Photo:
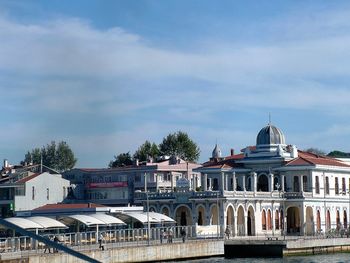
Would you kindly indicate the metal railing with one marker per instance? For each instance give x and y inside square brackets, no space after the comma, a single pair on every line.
[88,241]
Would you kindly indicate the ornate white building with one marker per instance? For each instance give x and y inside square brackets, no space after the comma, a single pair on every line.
[271,188]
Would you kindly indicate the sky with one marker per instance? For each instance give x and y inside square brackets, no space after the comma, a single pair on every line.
[105,76]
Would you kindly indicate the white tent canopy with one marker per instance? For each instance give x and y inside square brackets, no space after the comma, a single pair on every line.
[85,219]
[154,218]
[24,223]
[47,222]
[107,219]
[160,217]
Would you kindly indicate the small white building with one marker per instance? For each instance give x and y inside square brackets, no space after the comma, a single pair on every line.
[26,190]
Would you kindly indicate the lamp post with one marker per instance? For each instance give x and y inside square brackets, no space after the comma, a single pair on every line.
[283,227]
[147,207]
[218,217]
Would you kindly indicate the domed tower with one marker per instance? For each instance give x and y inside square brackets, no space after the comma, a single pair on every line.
[216,154]
[270,139]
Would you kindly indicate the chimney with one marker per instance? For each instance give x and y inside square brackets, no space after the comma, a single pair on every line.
[232,151]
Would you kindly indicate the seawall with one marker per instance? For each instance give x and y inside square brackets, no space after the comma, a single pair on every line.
[161,252]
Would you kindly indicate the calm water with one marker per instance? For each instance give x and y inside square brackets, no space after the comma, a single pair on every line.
[329,258]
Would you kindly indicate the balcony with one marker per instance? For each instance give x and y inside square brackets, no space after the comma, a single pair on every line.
[296,195]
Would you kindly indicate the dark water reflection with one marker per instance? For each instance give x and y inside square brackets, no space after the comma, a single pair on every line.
[329,258]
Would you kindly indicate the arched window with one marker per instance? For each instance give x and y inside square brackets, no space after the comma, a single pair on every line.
[318,220]
[263,219]
[269,220]
[263,183]
[345,220]
[277,220]
[328,220]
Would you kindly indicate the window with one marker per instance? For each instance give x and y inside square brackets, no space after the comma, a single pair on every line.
[263,220]
[33,192]
[317,185]
[327,185]
[336,186]
[343,186]
[47,193]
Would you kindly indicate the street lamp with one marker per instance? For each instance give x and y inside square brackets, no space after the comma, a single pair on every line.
[147,207]
[283,225]
[218,217]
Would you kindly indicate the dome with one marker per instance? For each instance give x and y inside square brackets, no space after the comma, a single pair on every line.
[216,152]
[270,135]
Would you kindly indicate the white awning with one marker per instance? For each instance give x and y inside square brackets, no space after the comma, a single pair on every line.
[160,217]
[137,216]
[47,222]
[109,220]
[85,219]
[24,223]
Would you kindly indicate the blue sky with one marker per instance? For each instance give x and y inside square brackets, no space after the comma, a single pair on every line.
[107,75]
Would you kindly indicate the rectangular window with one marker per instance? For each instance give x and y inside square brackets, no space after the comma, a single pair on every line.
[343,186]
[33,192]
[327,185]
[336,186]
[317,185]
[47,193]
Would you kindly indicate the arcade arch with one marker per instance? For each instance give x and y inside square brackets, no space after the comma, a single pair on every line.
[183,216]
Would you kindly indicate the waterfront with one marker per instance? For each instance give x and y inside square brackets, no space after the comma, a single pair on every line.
[329,258]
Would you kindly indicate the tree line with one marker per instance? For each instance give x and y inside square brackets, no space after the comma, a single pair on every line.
[178,144]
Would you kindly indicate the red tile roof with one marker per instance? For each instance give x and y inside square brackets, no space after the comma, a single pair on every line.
[306,158]
[68,206]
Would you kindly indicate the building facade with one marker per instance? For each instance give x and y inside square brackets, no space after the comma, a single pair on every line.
[271,188]
[27,188]
[117,186]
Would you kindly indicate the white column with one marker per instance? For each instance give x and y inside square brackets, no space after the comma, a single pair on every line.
[255,183]
[226,182]
[205,182]
[271,182]
[234,185]
[222,181]
[300,183]
[235,227]
[243,182]
[245,225]
[282,182]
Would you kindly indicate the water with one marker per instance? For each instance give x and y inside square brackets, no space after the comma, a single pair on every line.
[329,258]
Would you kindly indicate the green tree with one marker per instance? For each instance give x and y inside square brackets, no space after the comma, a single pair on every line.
[147,149]
[58,157]
[338,154]
[180,144]
[123,159]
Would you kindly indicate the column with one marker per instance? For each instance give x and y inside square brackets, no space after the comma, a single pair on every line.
[255,183]
[222,182]
[271,182]
[210,184]
[235,227]
[205,182]
[157,185]
[301,183]
[226,182]
[273,219]
[282,182]
[245,224]
[172,182]
[243,182]
[234,185]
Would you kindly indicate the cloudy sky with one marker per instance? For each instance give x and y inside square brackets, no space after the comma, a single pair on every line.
[105,76]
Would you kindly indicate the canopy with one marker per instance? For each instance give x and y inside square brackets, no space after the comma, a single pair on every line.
[24,223]
[47,222]
[160,217]
[107,219]
[141,217]
[85,219]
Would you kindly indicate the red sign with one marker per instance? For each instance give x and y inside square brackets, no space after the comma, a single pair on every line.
[107,185]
